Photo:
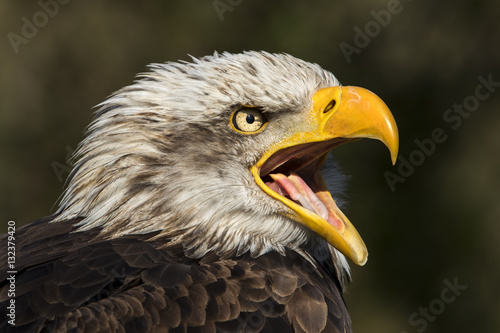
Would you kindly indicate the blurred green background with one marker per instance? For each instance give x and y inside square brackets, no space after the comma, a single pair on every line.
[441,223]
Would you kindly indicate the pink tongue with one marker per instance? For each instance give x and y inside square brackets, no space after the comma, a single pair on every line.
[298,191]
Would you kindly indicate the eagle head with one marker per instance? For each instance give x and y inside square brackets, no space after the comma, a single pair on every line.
[224,154]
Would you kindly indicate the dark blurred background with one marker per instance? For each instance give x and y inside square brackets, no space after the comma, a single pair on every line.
[437,224]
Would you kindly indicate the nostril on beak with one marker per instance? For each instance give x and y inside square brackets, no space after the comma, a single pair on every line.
[330,106]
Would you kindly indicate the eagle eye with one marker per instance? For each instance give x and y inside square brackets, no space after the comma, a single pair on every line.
[248,120]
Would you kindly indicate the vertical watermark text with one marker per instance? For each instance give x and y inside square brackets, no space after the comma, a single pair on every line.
[11,272]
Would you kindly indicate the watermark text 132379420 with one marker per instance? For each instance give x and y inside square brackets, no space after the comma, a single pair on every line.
[11,272]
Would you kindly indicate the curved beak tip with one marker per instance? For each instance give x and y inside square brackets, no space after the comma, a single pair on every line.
[393,145]
[371,118]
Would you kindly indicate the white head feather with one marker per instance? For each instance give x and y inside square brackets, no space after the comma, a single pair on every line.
[160,155]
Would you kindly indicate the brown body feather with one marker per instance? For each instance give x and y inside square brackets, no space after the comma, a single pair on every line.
[82,283]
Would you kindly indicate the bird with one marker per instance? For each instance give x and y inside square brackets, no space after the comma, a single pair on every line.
[203,198]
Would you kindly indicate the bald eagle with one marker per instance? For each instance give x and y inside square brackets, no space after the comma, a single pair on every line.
[197,204]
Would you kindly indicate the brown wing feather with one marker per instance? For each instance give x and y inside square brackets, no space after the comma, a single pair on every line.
[76,281]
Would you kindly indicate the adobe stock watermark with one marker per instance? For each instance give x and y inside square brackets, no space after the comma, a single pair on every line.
[453,117]
[420,319]
[372,29]
[223,6]
[30,27]
[11,273]
[61,169]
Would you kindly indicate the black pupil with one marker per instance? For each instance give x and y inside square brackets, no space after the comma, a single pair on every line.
[250,118]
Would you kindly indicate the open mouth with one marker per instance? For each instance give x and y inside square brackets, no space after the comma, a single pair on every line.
[294,174]
[289,171]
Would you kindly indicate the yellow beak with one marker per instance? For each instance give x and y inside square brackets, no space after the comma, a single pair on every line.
[338,115]
[360,114]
